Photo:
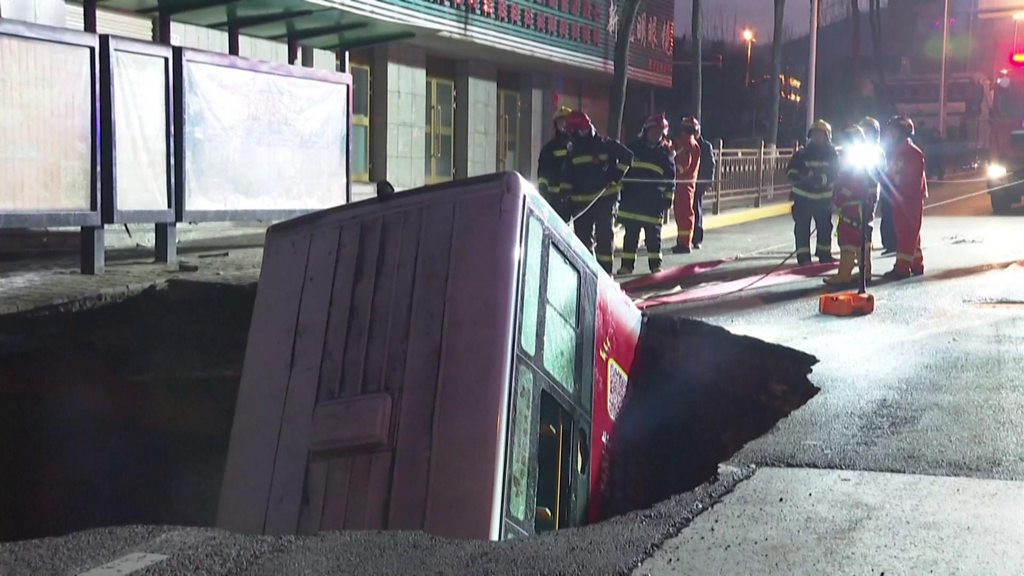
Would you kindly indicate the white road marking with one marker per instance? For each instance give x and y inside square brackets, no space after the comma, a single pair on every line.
[126,564]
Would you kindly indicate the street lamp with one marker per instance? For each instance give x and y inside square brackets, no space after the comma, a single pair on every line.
[748,36]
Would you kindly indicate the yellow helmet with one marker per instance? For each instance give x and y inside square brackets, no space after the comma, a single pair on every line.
[822,126]
[562,113]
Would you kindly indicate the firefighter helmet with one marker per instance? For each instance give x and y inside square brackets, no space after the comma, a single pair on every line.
[853,134]
[562,113]
[579,123]
[869,123]
[656,121]
[820,126]
[902,125]
[690,124]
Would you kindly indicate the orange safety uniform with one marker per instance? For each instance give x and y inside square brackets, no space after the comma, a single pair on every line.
[687,164]
[906,174]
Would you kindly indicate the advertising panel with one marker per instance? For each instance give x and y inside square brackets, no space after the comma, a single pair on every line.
[140,129]
[46,124]
[255,140]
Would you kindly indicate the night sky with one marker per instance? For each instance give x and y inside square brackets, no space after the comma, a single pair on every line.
[754,13]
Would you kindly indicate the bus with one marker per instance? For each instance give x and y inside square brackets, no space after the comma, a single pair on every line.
[449,359]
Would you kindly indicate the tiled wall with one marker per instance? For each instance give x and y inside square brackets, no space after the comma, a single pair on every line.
[481,122]
[406,88]
[47,12]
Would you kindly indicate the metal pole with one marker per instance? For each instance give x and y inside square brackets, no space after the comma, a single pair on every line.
[719,171]
[760,175]
[942,74]
[812,62]
[746,78]
[1016,21]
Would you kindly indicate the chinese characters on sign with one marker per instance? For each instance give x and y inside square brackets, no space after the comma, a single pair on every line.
[652,32]
[569,20]
[585,27]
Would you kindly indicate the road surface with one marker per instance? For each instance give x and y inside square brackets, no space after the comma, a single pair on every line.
[911,458]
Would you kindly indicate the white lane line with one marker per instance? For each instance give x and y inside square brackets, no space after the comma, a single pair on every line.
[126,564]
[957,199]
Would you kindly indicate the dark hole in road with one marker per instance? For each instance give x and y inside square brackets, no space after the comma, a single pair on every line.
[697,393]
[120,414]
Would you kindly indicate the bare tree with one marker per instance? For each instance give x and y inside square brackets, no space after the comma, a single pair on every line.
[875,21]
[696,80]
[777,39]
[855,38]
[626,19]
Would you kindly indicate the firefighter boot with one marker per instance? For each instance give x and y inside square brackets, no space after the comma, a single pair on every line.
[845,274]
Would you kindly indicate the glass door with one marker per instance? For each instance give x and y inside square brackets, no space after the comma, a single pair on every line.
[439,163]
[508,130]
[548,467]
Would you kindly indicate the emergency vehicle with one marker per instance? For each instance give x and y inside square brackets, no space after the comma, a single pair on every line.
[1005,169]
[448,359]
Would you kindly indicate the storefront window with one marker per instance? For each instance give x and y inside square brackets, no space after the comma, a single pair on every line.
[440,130]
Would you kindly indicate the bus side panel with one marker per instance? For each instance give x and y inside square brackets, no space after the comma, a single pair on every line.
[418,396]
[263,390]
[617,330]
[468,451]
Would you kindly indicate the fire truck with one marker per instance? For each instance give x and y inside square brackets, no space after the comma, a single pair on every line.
[449,359]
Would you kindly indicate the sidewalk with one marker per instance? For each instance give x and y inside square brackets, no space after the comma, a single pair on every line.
[49,283]
[231,255]
[721,220]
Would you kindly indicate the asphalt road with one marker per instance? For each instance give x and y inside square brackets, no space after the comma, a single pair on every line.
[931,382]
[927,387]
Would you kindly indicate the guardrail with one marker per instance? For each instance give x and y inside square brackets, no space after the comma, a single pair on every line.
[748,177]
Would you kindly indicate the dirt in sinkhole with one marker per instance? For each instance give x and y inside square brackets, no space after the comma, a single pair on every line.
[120,414]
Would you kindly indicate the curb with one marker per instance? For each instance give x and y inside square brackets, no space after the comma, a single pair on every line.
[730,218]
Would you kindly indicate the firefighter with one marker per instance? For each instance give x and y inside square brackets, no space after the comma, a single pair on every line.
[592,177]
[812,170]
[854,199]
[705,174]
[687,165]
[906,173]
[647,195]
[873,134]
[549,164]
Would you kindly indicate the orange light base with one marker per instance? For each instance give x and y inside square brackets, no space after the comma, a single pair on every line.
[846,304]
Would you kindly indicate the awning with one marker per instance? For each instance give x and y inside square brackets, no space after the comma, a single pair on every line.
[307,23]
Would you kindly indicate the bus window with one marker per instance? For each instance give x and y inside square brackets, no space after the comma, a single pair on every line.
[531,286]
[522,436]
[561,320]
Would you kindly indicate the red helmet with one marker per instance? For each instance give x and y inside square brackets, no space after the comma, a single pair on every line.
[902,125]
[578,123]
[690,124]
[656,121]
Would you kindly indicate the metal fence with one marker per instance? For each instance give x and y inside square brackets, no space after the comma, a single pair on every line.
[748,177]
